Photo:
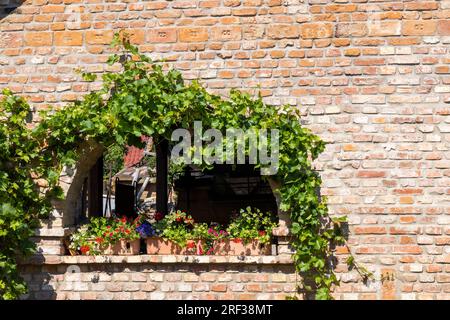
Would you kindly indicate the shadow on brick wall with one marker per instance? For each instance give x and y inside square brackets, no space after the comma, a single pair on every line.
[38,278]
[9,7]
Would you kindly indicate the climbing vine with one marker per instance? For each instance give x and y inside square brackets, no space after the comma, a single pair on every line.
[147,99]
[24,165]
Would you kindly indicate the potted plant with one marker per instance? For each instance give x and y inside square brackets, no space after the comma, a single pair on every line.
[84,242]
[148,232]
[213,237]
[106,236]
[249,233]
[174,235]
[122,237]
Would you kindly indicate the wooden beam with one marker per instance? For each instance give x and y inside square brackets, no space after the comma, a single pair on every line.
[95,189]
[162,154]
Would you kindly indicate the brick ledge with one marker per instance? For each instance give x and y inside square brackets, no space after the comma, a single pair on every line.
[139,259]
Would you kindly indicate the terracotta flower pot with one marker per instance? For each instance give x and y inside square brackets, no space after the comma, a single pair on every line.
[123,248]
[110,249]
[156,245]
[237,247]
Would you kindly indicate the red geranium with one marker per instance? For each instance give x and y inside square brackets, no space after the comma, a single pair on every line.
[158,216]
[190,244]
[99,240]
[237,240]
[262,233]
[85,249]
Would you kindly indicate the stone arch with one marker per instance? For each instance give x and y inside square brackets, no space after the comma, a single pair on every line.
[284,220]
[72,179]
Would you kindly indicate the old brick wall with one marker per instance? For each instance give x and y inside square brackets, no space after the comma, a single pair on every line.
[159,277]
[372,77]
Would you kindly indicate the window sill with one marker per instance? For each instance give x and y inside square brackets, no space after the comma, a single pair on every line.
[167,259]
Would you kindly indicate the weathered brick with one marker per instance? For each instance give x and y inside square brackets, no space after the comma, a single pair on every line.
[444,27]
[194,34]
[421,5]
[114,287]
[316,30]
[340,8]
[254,287]
[38,39]
[148,287]
[284,31]
[245,12]
[371,174]
[226,33]
[53,9]
[370,230]
[219,287]
[68,38]
[11,40]
[351,30]
[99,36]
[385,28]
[353,52]
[419,28]
[162,35]
[136,36]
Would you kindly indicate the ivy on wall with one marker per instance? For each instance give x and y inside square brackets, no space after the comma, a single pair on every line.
[24,164]
[144,99]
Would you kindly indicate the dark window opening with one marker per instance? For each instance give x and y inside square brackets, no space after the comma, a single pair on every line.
[91,204]
[213,195]
[210,195]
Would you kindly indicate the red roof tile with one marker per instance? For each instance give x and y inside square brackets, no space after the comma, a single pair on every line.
[134,155]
